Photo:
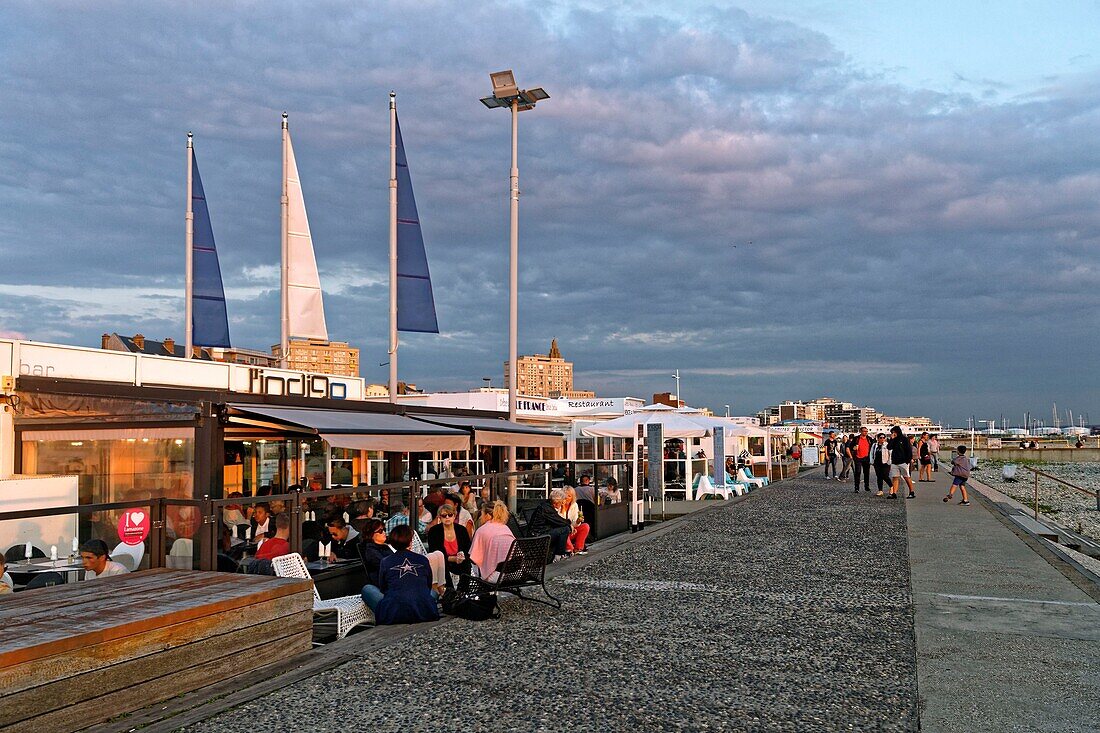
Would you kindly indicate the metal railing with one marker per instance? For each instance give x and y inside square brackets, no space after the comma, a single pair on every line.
[210,527]
[1067,484]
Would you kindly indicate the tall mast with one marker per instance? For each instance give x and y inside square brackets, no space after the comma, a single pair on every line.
[284,289]
[393,247]
[189,250]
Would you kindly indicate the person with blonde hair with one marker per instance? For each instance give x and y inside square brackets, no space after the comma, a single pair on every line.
[579,528]
[492,540]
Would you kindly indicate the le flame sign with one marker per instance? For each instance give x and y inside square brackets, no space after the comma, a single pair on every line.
[133,526]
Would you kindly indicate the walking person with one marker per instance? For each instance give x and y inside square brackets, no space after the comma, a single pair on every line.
[924,456]
[880,459]
[960,469]
[830,445]
[846,456]
[859,451]
[901,455]
[934,449]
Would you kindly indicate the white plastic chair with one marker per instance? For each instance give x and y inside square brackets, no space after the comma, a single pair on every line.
[745,478]
[736,487]
[129,556]
[704,487]
[350,610]
[180,556]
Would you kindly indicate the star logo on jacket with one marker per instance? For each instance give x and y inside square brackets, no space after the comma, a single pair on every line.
[407,567]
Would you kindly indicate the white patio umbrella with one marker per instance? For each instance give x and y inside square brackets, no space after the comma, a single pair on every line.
[673,425]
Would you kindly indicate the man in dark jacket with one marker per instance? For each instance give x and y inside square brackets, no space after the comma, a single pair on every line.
[345,540]
[547,520]
[901,455]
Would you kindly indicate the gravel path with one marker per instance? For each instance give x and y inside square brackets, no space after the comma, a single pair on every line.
[789,611]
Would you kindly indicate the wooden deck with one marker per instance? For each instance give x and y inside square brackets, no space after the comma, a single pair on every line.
[77,654]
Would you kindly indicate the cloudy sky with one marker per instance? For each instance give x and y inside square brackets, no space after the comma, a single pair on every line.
[894,204]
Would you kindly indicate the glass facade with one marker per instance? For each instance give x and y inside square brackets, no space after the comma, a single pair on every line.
[116,469]
[110,469]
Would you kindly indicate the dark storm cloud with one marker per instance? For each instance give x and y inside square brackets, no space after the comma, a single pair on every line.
[948,235]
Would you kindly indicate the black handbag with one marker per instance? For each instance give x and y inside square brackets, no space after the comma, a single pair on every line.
[471,605]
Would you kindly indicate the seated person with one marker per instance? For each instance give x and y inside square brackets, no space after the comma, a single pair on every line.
[361,511]
[484,515]
[433,498]
[463,517]
[580,529]
[345,540]
[7,585]
[279,544]
[404,594]
[262,526]
[373,550]
[547,519]
[492,540]
[401,516]
[232,514]
[611,493]
[469,498]
[452,540]
[585,490]
[97,563]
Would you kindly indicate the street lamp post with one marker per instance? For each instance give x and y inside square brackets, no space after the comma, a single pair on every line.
[727,410]
[507,94]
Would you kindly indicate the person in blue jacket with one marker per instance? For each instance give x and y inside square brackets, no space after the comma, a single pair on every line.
[404,594]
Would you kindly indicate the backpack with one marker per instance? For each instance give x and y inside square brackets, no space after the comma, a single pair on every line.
[961,468]
[471,605]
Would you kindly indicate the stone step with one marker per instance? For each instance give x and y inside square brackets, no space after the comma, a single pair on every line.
[1036,528]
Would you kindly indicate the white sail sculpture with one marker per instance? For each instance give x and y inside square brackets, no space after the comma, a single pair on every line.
[303,310]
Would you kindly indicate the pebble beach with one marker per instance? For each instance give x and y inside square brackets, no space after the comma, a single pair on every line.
[1068,508]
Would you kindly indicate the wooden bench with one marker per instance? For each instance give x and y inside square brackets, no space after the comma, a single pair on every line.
[78,654]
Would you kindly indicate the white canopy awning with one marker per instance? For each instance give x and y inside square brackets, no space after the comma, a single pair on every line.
[497,431]
[674,425]
[361,430]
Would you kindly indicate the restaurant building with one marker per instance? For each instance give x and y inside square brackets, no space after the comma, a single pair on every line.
[134,426]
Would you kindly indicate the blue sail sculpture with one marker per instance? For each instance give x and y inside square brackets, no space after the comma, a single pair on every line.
[415,301]
[209,319]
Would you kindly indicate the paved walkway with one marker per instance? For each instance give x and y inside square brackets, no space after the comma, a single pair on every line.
[1005,642]
[802,607]
[787,611]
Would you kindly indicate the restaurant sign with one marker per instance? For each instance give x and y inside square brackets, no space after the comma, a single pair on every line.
[29,359]
[295,384]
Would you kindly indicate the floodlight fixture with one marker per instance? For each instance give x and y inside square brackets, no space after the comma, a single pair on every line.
[507,94]
[504,84]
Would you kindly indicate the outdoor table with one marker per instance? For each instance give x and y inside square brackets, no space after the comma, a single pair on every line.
[69,569]
[340,578]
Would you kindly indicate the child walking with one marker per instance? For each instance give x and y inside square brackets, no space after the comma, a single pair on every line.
[960,469]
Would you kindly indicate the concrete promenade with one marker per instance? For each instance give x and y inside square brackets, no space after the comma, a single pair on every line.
[1005,642]
[801,607]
